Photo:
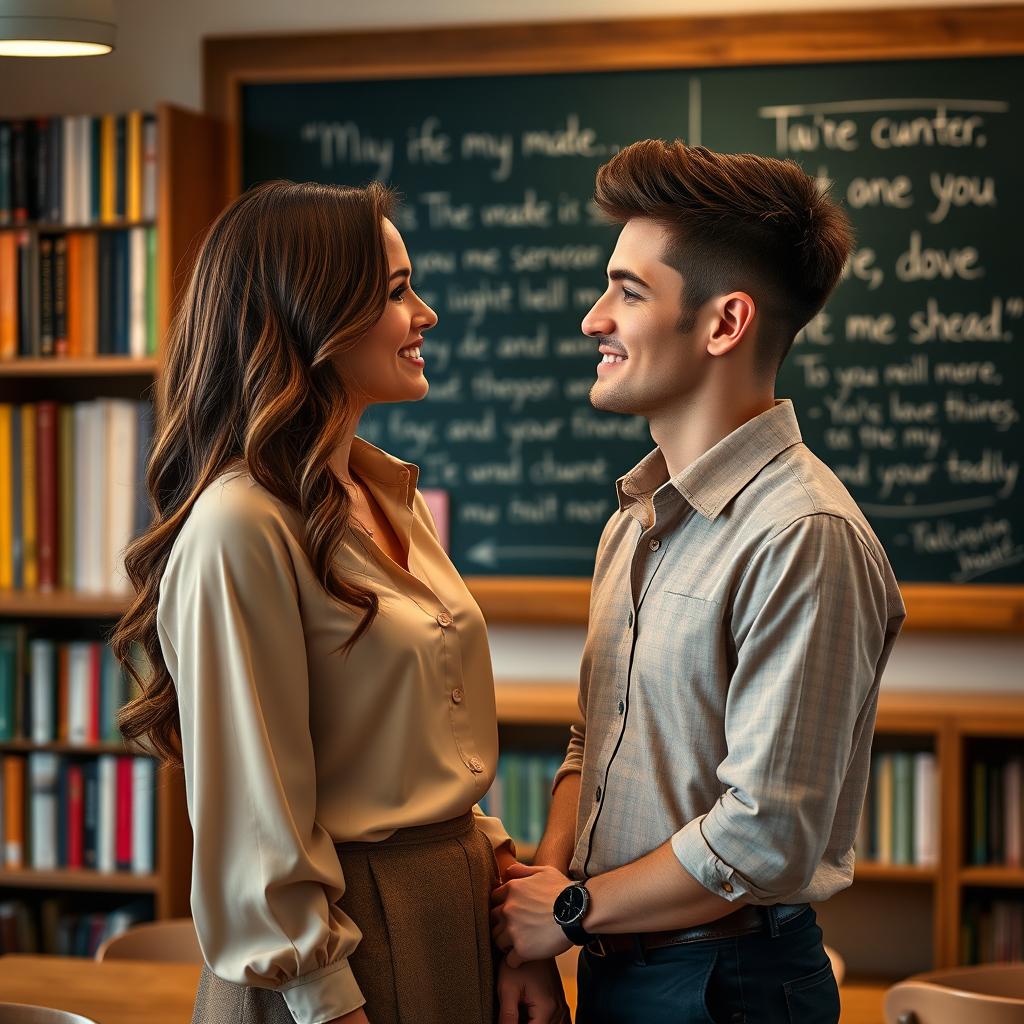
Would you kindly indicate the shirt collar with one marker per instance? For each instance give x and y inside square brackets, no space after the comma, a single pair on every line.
[713,480]
[370,463]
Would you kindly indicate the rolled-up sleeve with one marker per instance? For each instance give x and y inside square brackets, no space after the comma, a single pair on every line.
[266,877]
[809,628]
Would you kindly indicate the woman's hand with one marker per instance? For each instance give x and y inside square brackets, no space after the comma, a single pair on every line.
[537,988]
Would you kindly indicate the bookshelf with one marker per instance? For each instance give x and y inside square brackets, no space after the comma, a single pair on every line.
[188,195]
[924,907]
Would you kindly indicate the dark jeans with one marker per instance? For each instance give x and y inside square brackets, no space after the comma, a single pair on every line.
[760,978]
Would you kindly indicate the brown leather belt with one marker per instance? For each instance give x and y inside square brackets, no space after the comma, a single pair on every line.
[745,921]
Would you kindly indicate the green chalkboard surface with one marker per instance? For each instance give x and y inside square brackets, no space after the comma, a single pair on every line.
[909,384]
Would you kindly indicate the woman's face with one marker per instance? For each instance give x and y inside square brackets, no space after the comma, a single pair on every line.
[386,365]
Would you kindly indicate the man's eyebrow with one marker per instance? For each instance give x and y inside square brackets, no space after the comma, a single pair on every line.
[621,274]
[403,272]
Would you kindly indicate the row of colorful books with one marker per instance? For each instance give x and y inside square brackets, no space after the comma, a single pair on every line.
[521,792]
[71,492]
[900,824]
[78,294]
[49,927]
[78,170]
[997,811]
[73,812]
[59,691]
[992,931]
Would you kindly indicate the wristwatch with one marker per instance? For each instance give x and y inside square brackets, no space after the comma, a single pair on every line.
[571,906]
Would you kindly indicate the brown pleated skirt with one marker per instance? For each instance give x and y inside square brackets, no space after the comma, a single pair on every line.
[422,901]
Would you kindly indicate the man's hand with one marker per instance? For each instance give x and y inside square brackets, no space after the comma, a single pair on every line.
[521,921]
[537,988]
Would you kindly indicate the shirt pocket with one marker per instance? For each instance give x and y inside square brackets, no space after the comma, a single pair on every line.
[681,641]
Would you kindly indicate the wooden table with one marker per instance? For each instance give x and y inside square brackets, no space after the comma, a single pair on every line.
[129,991]
[114,992]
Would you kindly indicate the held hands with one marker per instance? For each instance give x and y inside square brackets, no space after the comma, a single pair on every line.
[535,987]
[521,917]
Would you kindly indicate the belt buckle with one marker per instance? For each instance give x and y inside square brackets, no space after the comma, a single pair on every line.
[596,946]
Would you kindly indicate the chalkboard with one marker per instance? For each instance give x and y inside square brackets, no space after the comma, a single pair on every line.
[908,385]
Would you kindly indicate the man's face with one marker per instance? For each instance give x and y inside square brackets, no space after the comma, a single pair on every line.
[648,365]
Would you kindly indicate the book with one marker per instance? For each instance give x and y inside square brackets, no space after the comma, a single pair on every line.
[28,293]
[108,170]
[926,810]
[120,166]
[96,170]
[149,166]
[120,488]
[45,295]
[979,813]
[142,816]
[43,671]
[106,767]
[137,300]
[68,499]
[20,142]
[29,520]
[883,808]
[6,499]
[47,499]
[133,173]
[8,295]
[60,307]
[8,687]
[79,692]
[90,814]
[6,206]
[75,816]
[124,808]
[42,775]
[70,181]
[14,810]
[903,808]
[88,295]
[17,504]
[1013,809]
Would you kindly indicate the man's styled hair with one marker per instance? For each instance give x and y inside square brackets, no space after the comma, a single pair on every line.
[738,223]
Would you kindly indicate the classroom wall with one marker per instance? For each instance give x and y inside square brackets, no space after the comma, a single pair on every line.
[159,57]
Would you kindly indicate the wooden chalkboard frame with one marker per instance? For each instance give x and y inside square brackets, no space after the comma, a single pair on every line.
[229,63]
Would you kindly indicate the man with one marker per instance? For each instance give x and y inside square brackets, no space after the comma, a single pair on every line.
[741,616]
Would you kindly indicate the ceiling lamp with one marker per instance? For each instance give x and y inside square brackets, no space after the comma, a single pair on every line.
[56,28]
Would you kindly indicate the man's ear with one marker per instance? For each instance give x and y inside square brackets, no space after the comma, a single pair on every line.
[733,316]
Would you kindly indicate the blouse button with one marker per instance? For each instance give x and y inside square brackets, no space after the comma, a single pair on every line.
[444,619]
[457,695]
[475,765]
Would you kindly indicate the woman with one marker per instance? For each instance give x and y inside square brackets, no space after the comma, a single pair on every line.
[317,663]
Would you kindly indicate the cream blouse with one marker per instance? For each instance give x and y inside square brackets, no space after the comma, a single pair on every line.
[290,747]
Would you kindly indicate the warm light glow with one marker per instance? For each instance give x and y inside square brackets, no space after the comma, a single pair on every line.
[50,48]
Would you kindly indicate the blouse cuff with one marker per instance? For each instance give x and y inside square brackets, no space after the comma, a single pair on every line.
[324,994]
[494,830]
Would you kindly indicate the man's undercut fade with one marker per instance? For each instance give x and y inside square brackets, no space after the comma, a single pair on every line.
[738,222]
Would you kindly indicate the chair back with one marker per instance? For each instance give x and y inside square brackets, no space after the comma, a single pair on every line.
[21,1013]
[171,941]
[988,994]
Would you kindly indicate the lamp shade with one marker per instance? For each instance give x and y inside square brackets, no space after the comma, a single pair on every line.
[56,28]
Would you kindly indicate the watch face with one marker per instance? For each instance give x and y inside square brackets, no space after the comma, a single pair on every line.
[570,905]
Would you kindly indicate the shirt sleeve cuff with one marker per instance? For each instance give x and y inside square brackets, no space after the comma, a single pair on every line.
[323,995]
[495,831]
[572,765]
[696,856]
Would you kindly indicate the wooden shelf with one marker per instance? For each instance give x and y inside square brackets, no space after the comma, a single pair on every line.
[98,366]
[997,876]
[536,703]
[63,747]
[871,871]
[80,879]
[55,227]
[61,604]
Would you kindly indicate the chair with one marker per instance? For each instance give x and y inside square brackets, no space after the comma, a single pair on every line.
[20,1013]
[172,941]
[990,994]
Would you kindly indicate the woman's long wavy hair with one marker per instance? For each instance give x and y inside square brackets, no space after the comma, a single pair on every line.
[288,276]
